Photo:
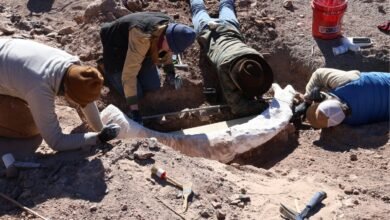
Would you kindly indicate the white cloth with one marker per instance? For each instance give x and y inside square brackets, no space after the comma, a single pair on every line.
[33,72]
[224,144]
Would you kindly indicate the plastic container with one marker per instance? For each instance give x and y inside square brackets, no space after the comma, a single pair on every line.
[327,18]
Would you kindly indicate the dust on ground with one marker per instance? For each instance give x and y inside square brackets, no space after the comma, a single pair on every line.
[112,181]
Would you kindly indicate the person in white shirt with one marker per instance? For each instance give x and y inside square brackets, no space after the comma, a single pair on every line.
[31,75]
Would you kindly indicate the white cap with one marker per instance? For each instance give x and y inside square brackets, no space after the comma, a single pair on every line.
[332,110]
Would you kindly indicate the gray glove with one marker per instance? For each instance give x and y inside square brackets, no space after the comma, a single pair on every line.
[108,132]
[316,95]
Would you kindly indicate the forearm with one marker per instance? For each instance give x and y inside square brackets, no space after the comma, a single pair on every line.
[92,115]
[66,142]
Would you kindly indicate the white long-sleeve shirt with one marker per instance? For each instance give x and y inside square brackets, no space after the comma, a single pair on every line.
[33,72]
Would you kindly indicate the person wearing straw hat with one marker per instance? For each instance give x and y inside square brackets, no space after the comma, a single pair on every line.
[31,75]
[352,97]
[243,73]
[132,47]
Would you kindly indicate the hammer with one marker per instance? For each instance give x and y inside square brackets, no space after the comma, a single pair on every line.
[12,165]
[180,64]
[187,187]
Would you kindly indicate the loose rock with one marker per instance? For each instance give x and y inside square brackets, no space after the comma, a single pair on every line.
[93,208]
[288,4]
[353,157]
[348,190]
[221,215]
[143,155]
[216,205]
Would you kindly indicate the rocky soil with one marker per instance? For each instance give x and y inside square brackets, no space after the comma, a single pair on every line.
[114,181]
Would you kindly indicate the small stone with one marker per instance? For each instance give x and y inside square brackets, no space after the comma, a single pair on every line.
[51,35]
[210,168]
[301,16]
[216,205]
[221,215]
[348,190]
[241,204]
[341,186]
[288,4]
[355,192]
[299,24]
[143,155]
[235,202]
[206,213]
[176,16]
[353,157]
[124,208]
[378,156]
[66,30]
[93,208]
[243,191]
[153,144]
[244,198]
[179,195]
[259,22]
[7,30]
[235,165]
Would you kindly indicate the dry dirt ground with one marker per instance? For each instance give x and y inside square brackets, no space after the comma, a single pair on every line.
[111,182]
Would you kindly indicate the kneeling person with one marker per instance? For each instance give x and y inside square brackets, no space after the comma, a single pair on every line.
[31,75]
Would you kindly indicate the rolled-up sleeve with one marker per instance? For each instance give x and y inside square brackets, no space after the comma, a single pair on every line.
[139,44]
[328,78]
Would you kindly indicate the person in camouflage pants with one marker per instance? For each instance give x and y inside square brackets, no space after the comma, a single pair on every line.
[243,73]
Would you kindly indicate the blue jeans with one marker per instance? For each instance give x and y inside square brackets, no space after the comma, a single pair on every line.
[200,17]
[148,78]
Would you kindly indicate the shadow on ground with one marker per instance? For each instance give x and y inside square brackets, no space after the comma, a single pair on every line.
[344,137]
[363,60]
[39,6]
[69,174]
[273,151]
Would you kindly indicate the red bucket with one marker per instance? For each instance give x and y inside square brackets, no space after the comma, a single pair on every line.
[327,17]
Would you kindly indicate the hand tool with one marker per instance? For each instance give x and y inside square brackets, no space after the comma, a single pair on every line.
[292,215]
[162,174]
[12,165]
[180,64]
[187,190]
[187,187]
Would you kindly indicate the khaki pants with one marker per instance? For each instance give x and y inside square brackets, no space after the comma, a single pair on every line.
[16,120]
[18,133]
